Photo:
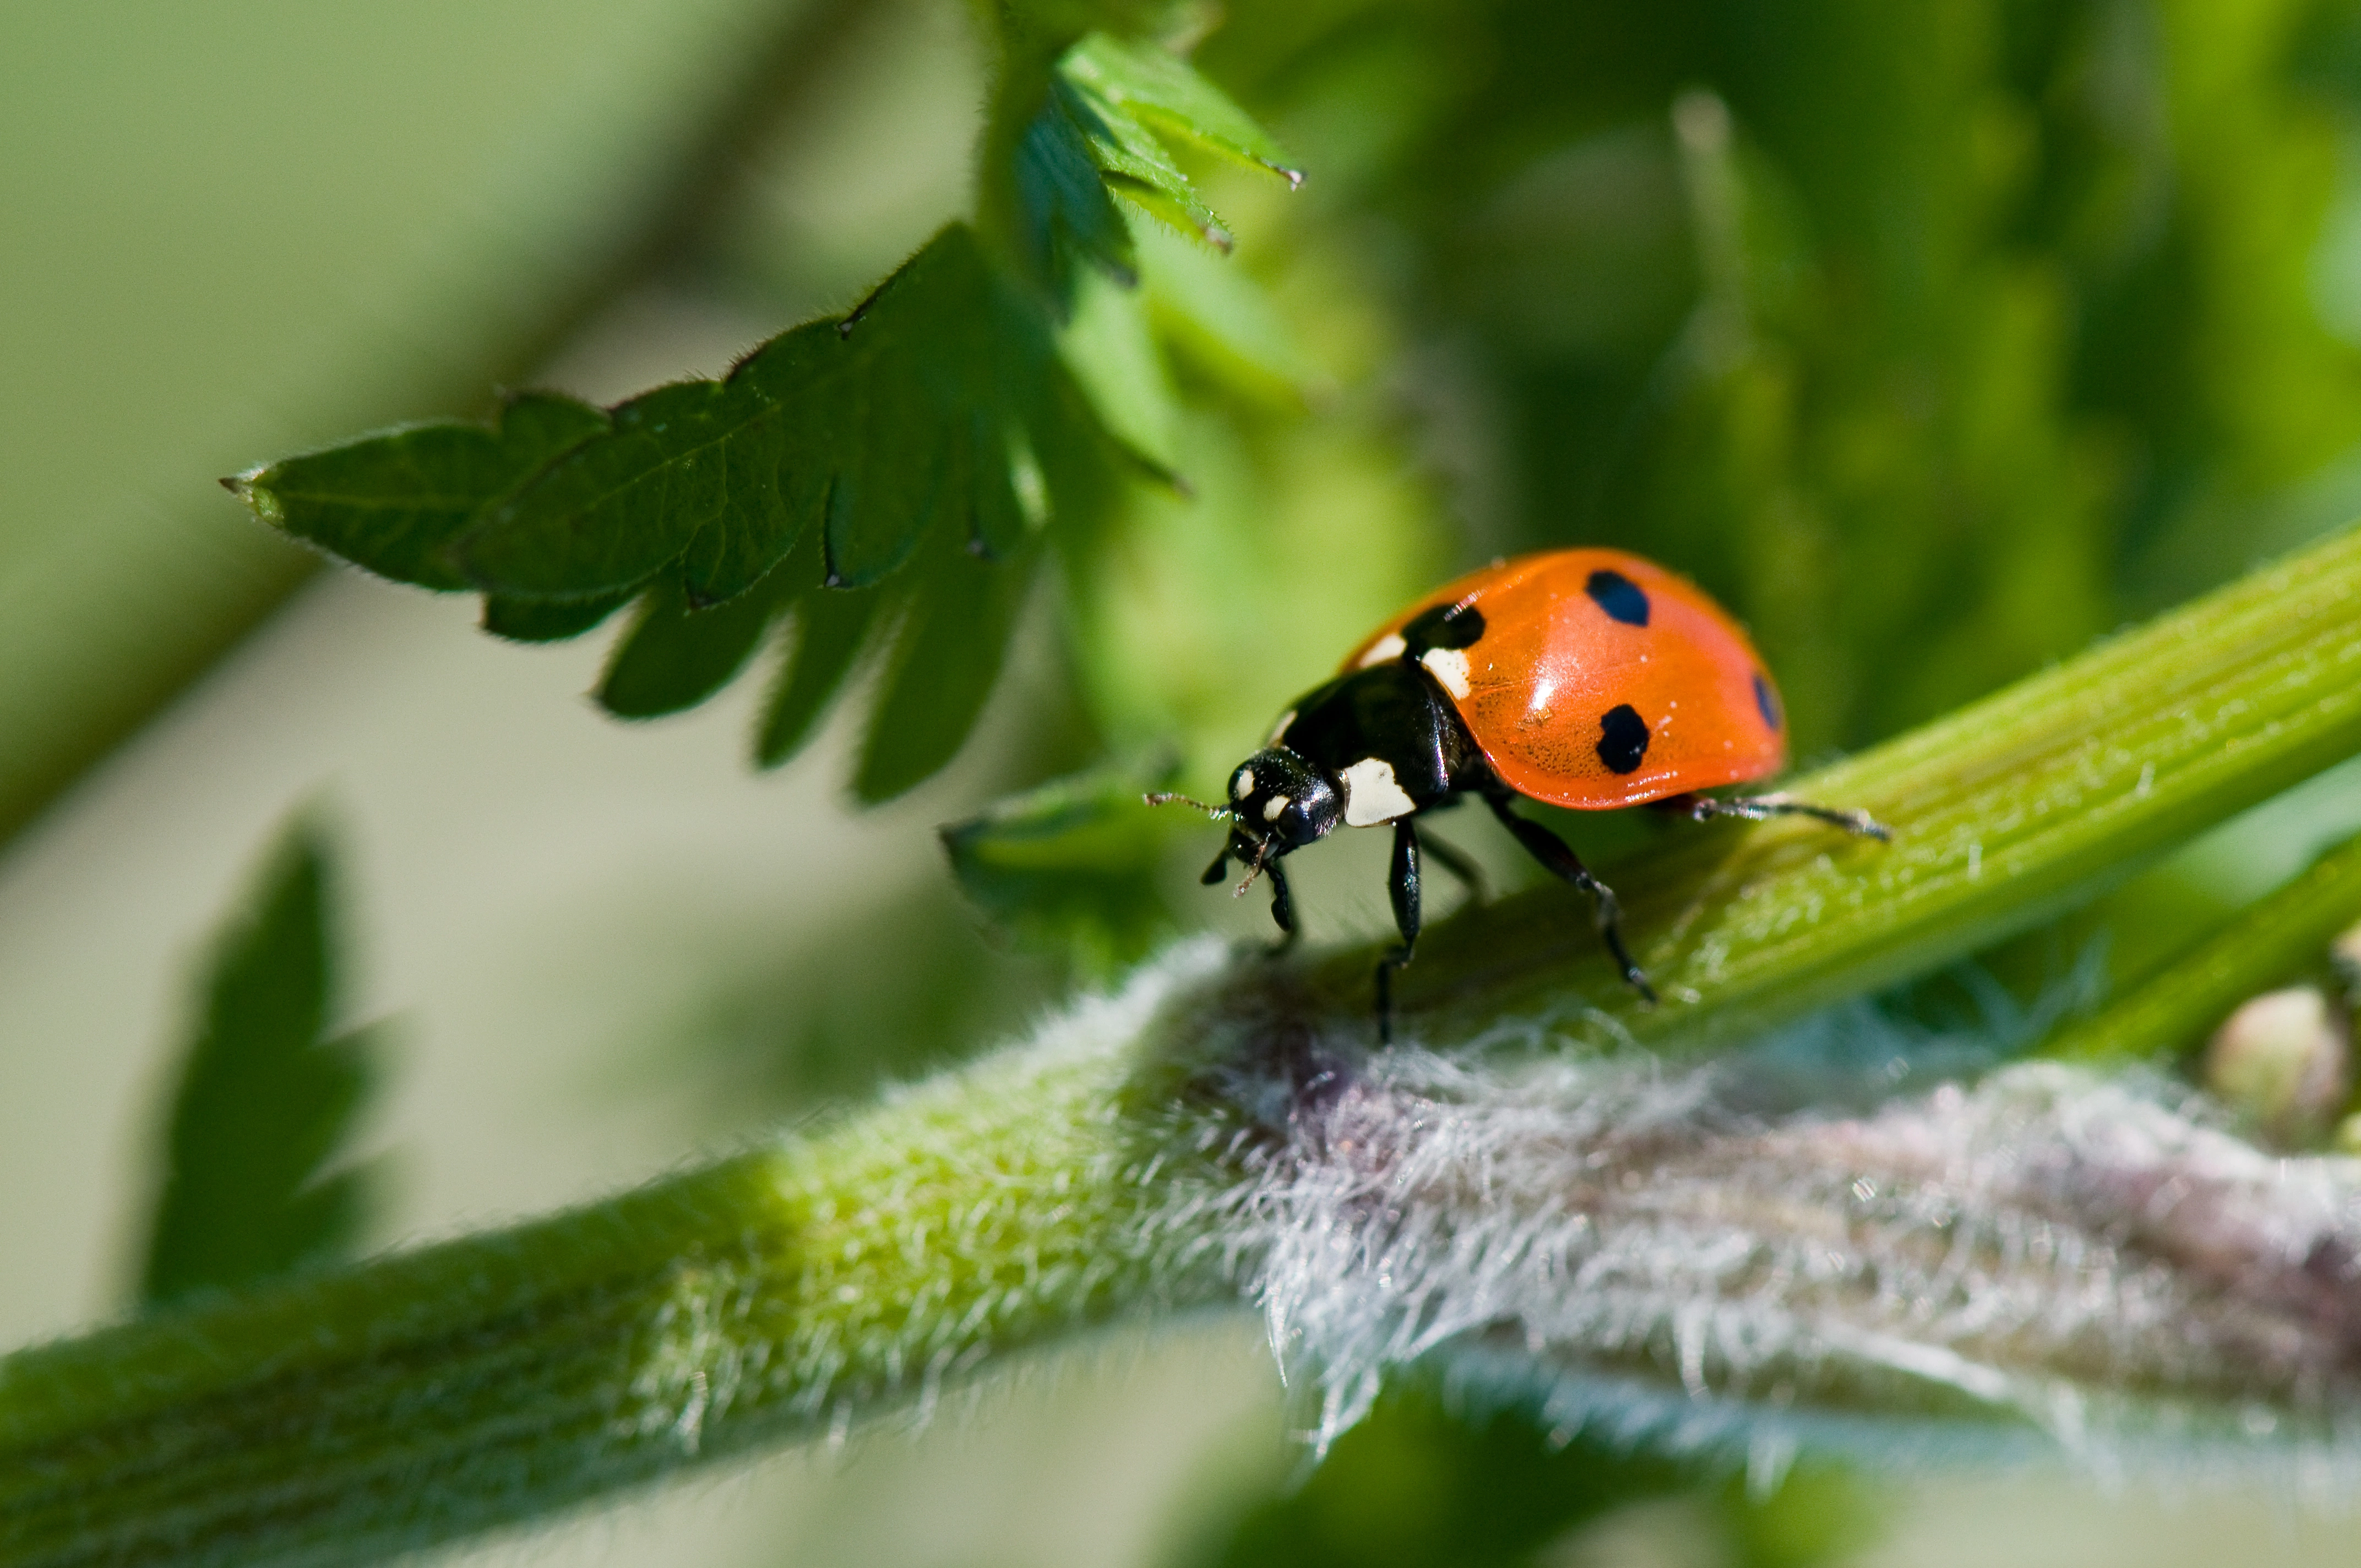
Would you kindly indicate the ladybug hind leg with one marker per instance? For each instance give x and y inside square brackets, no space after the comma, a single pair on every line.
[1762,807]
[1561,862]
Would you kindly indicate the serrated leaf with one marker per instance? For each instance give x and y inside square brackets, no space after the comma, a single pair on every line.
[1135,164]
[1071,866]
[1067,214]
[616,510]
[267,1099]
[677,655]
[946,655]
[823,645]
[391,502]
[1163,90]
[549,621]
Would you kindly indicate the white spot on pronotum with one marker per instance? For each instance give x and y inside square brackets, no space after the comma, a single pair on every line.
[1279,730]
[1390,646]
[1242,785]
[2147,780]
[1975,861]
[1448,665]
[1372,794]
[1273,807]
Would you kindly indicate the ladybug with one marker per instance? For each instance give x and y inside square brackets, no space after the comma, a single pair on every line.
[1584,678]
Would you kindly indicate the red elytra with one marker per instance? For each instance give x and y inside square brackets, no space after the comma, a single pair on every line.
[1554,655]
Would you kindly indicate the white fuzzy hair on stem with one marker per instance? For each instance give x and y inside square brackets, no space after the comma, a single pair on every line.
[1664,1253]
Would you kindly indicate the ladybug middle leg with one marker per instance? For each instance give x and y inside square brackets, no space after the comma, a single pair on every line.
[1458,863]
[1402,883]
[1551,851]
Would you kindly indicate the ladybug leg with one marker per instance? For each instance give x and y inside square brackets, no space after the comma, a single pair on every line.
[1552,853]
[1283,908]
[1217,870]
[1762,807]
[1462,866]
[1402,882]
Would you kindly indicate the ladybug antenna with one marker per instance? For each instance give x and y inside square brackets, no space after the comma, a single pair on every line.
[1218,813]
[1262,857]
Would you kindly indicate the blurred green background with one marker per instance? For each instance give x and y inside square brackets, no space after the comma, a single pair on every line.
[1938,340]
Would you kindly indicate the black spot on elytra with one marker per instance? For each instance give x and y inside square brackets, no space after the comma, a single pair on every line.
[1444,626]
[1619,596]
[1622,738]
[1766,701]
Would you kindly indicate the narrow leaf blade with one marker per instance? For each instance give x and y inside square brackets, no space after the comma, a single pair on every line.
[266,1102]
[1166,91]
[946,661]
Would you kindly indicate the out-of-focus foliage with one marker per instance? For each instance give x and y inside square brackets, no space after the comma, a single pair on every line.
[256,1179]
[1427,1479]
[1935,340]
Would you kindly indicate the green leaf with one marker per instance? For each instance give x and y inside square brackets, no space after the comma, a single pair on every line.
[549,621]
[1134,164]
[1156,87]
[946,655]
[677,655]
[391,502]
[831,628]
[1071,866]
[267,1099]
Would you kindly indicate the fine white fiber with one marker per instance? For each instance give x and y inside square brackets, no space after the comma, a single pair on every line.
[1673,1253]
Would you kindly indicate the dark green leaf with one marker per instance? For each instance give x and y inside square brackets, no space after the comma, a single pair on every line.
[1154,86]
[548,621]
[615,511]
[391,502]
[677,656]
[946,657]
[832,627]
[1071,866]
[267,1099]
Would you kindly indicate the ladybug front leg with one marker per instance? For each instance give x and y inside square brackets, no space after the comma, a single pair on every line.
[1401,881]
[1283,908]
[1551,851]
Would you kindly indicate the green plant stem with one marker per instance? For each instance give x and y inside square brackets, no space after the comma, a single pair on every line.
[95,643]
[2002,813]
[498,1377]
[2276,936]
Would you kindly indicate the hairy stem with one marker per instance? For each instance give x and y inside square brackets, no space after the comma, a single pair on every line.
[499,1378]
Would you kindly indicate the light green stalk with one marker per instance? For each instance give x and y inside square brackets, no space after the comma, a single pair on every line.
[2278,934]
[499,1378]
[495,1378]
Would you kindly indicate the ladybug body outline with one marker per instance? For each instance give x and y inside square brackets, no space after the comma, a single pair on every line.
[1587,678]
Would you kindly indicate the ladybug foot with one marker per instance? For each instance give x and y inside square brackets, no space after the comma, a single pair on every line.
[1762,807]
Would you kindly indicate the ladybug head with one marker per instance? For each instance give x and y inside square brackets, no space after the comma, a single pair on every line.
[1279,803]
